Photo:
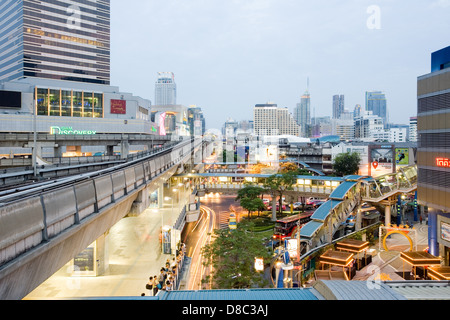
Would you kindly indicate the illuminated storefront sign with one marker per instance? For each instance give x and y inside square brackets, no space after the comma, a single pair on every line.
[70,130]
[443,162]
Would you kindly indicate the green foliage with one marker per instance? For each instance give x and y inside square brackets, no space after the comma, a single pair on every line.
[249,198]
[347,164]
[278,184]
[232,255]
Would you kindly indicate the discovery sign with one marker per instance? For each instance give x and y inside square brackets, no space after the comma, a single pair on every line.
[70,130]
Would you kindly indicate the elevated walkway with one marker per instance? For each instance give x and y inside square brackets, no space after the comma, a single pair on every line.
[347,199]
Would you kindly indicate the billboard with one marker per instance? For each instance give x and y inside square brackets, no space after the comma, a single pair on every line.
[402,156]
[381,160]
[445,231]
[118,106]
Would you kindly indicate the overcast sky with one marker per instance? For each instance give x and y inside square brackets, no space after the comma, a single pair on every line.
[228,55]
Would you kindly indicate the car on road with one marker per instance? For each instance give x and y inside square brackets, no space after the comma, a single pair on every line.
[283,207]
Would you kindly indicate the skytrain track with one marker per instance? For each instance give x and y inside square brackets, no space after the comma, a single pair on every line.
[28,190]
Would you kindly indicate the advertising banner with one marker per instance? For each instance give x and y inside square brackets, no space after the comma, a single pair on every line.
[402,156]
[381,159]
[118,107]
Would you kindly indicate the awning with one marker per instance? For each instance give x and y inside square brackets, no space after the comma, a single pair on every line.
[439,273]
[324,210]
[351,245]
[337,258]
[420,259]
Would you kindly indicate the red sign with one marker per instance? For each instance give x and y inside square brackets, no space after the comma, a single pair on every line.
[118,107]
[375,165]
[443,162]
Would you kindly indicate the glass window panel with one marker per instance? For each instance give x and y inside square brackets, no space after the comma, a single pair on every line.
[98,105]
[66,102]
[55,99]
[42,102]
[77,103]
[88,105]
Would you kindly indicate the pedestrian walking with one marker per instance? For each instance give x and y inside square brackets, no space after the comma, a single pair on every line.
[149,286]
[161,278]
[420,219]
[155,285]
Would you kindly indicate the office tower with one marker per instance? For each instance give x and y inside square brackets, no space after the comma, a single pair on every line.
[368,125]
[433,158]
[165,89]
[338,106]
[302,114]
[357,112]
[54,39]
[376,102]
[413,129]
[196,120]
[270,120]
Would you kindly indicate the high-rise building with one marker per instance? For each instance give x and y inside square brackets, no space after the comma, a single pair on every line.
[165,89]
[357,112]
[413,129]
[376,102]
[196,120]
[302,114]
[51,39]
[338,106]
[368,125]
[433,154]
[270,120]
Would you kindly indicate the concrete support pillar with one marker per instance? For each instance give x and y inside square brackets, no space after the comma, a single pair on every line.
[160,197]
[57,152]
[109,150]
[432,233]
[358,219]
[140,204]
[124,149]
[387,215]
[102,254]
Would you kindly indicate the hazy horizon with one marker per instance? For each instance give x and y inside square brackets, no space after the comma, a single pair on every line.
[228,56]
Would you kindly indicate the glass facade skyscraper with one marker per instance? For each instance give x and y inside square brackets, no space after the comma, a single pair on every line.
[338,106]
[55,39]
[302,114]
[376,102]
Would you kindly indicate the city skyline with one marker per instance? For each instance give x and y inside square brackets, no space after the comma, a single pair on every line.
[229,56]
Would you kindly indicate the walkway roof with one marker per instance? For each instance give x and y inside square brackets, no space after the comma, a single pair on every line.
[310,228]
[356,290]
[250,175]
[340,192]
[243,294]
[325,209]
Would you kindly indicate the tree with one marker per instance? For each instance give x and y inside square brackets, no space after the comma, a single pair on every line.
[277,185]
[232,255]
[250,200]
[347,164]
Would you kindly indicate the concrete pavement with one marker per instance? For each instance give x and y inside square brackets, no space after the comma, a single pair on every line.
[134,255]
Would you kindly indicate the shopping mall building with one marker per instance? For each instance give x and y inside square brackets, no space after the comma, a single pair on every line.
[434,151]
[55,71]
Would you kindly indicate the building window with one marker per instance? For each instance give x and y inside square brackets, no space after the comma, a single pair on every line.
[55,103]
[66,103]
[42,102]
[77,104]
[98,105]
